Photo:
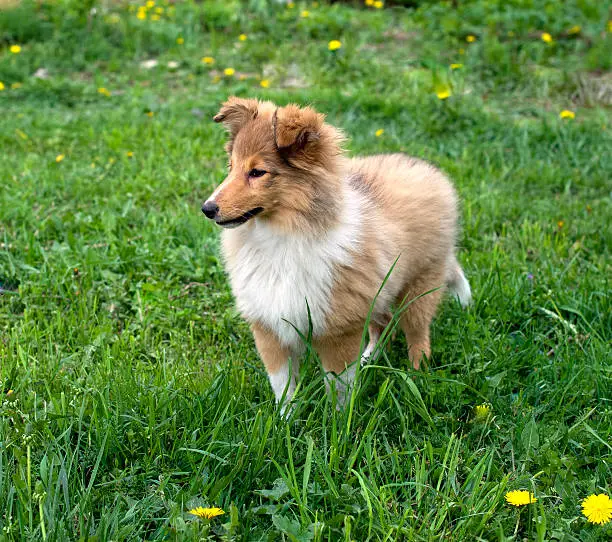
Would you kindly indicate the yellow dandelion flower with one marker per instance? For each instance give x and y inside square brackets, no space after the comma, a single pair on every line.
[2,87]
[576,29]
[129,154]
[609,26]
[482,411]
[378,4]
[560,224]
[379,132]
[206,513]
[60,157]
[159,11]
[180,40]
[15,49]
[142,15]
[546,37]
[155,17]
[597,508]
[334,45]
[567,114]
[150,4]
[305,14]
[265,83]
[208,60]
[149,114]
[229,71]
[9,393]
[520,497]
[242,37]
[369,2]
[290,5]
[16,85]
[443,92]
[104,91]
[456,66]
[470,38]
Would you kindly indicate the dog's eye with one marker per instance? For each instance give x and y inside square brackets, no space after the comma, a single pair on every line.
[257,173]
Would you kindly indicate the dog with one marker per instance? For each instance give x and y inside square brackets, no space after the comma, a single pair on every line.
[310,236]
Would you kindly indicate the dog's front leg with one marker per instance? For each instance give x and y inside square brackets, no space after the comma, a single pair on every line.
[338,355]
[282,370]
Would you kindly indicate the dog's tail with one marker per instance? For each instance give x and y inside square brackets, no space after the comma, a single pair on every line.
[458,284]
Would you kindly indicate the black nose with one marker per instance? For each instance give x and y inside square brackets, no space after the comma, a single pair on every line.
[210,209]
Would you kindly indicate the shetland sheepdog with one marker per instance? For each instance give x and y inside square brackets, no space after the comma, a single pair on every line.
[310,236]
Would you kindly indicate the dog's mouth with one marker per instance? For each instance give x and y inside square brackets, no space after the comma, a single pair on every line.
[234,222]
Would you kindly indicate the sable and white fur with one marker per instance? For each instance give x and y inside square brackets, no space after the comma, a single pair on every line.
[318,234]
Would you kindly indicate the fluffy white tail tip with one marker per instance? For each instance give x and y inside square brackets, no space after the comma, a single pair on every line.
[460,286]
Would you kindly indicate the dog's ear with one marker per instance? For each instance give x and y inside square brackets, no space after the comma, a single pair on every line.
[236,112]
[295,128]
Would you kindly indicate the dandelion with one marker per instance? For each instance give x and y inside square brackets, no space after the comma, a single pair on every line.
[129,154]
[2,87]
[242,37]
[609,26]
[15,49]
[470,38]
[159,11]
[229,71]
[482,411]
[208,60]
[443,92]
[378,4]
[546,37]
[567,114]
[576,29]
[142,14]
[290,5]
[180,40]
[597,508]
[104,91]
[379,132]
[369,2]
[520,497]
[334,45]
[206,513]
[9,393]
[150,4]
[265,83]
[155,17]
[456,66]
[305,14]
[60,157]
[149,114]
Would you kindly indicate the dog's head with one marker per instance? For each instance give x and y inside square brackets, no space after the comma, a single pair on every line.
[278,159]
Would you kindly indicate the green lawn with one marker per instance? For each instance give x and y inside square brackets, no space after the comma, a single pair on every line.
[131,390]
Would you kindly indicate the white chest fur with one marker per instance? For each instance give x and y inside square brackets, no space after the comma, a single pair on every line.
[277,278]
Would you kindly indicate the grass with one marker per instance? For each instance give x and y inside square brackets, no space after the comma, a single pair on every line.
[131,389]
